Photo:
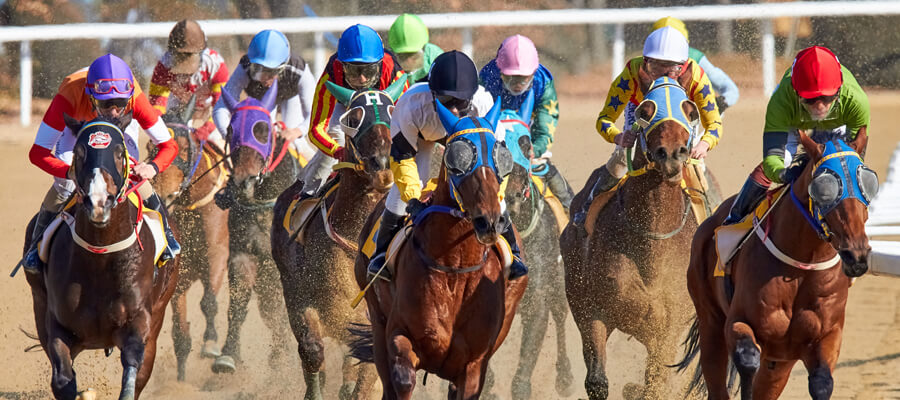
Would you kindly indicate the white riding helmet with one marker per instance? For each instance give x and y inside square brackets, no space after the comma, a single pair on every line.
[666,44]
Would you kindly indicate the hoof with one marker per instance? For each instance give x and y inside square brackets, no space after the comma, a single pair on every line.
[224,364]
[88,394]
[210,350]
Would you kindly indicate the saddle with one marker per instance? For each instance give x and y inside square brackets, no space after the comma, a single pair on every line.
[150,218]
[300,213]
[562,219]
[730,238]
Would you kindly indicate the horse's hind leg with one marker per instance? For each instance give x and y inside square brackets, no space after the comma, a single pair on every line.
[241,279]
[559,310]
[820,361]
[363,375]
[272,309]
[181,330]
[535,317]
[216,233]
[402,361]
[714,356]
[745,355]
[469,385]
[59,350]
[308,330]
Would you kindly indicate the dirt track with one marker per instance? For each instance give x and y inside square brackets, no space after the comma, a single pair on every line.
[871,349]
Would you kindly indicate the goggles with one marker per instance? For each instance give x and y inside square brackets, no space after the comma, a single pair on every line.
[368,70]
[259,72]
[824,99]
[411,61]
[516,80]
[107,86]
[461,105]
[668,66]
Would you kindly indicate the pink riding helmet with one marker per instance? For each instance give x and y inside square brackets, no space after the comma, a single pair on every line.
[517,56]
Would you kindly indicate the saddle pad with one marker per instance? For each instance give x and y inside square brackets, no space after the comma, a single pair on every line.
[695,181]
[597,205]
[729,237]
[300,213]
[562,219]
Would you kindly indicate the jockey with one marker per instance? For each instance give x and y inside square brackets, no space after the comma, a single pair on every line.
[665,54]
[269,57]
[189,71]
[360,63]
[408,39]
[510,76]
[817,93]
[416,127]
[106,88]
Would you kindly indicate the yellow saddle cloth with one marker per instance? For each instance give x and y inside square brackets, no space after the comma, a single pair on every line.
[300,213]
[555,205]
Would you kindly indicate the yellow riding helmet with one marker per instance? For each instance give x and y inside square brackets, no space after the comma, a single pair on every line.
[671,22]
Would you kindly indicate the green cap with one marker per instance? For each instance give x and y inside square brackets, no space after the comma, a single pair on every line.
[408,34]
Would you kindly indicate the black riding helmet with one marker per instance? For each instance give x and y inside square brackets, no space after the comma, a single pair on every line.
[453,74]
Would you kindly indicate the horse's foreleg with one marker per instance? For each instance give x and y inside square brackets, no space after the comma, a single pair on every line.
[402,362]
[59,350]
[216,233]
[181,331]
[593,342]
[771,379]
[272,310]
[147,365]
[132,348]
[358,379]
[241,279]
[661,352]
[559,310]
[535,317]
[309,331]
[745,355]
[820,361]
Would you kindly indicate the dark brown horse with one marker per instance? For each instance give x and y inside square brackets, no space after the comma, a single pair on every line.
[188,191]
[262,169]
[772,310]
[105,290]
[450,304]
[316,258]
[628,273]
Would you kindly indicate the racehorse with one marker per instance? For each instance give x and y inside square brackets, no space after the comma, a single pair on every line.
[315,259]
[262,168]
[188,191]
[628,274]
[450,304]
[784,298]
[101,287]
[530,212]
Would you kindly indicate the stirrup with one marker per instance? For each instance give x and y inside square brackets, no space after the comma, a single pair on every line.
[517,269]
[32,262]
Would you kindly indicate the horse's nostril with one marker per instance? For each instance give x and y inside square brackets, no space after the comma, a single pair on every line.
[481,223]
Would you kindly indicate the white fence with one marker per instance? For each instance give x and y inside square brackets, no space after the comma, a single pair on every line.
[884,220]
[618,17]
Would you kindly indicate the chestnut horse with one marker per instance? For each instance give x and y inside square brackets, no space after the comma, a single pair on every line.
[101,287]
[530,212]
[450,304]
[316,259]
[785,296]
[262,168]
[188,191]
[628,274]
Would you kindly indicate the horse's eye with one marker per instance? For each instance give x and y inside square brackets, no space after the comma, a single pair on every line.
[868,182]
[460,157]
[825,189]
[502,159]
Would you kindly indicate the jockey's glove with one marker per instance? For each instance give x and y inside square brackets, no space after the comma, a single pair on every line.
[414,207]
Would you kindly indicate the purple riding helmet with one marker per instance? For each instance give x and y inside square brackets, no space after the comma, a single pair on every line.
[247,115]
[109,77]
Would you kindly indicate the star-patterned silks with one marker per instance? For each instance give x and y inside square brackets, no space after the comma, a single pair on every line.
[614,102]
[624,84]
[709,106]
[605,126]
[705,91]
[552,107]
[714,132]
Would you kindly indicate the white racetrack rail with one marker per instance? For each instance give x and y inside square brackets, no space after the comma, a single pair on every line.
[884,220]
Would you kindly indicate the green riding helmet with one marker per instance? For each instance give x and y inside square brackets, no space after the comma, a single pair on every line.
[408,34]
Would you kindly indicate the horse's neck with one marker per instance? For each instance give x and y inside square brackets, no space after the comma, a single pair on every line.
[792,234]
[651,202]
[530,206]
[353,201]
[447,237]
[119,228]
[281,177]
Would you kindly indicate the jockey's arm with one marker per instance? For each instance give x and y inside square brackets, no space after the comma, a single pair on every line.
[322,108]
[704,96]
[779,121]
[721,82]
[156,129]
[404,168]
[620,92]
[546,118]
[52,126]
[236,84]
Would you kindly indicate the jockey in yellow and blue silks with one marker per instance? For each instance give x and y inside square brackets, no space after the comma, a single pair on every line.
[665,54]
[514,73]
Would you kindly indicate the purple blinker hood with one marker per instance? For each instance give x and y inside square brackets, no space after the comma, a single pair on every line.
[247,114]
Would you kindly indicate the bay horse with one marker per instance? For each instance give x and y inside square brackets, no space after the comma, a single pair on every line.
[785,297]
[315,260]
[101,287]
[188,191]
[449,305]
[628,274]
[261,170]
[539,228]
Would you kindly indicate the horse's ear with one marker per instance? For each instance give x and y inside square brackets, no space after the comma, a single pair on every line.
[859,144]
[123,121]
[645,111]
[690,111]
[268,100]
[73,124]
[396,88]
[230,101]
[527,107]
[687,75]
[342,94]
[493,116]
[448,120]
[812,148]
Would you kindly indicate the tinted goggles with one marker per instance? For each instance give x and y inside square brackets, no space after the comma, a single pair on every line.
[106,86]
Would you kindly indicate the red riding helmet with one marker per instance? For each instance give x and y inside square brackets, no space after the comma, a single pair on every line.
[816,72]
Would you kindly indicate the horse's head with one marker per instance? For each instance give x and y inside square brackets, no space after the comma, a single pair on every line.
[251,137]
[841,187]
[100,165]
[518,140]
[367,127]
[475,163]
[170,183]
[667,118]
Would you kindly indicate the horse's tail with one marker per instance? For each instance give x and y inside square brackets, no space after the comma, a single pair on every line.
[362,342]
[31,336]
[691,350]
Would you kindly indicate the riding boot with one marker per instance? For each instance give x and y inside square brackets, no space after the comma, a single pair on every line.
[517,269]
[390,224]
[747,199]
[605,181]
[33,263]
[173,248]
[559,187]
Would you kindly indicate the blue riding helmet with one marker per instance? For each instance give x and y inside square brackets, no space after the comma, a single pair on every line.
[360,44]
[839,175]
[269,48]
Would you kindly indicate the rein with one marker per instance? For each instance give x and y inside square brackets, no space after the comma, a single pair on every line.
[537,208]
[431,262]
[653,235]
